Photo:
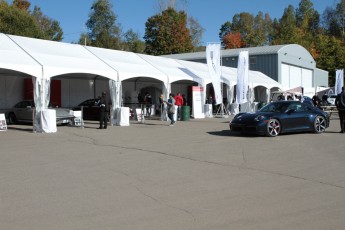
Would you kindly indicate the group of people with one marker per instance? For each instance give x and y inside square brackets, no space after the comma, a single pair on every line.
[289,97]
[173,104]
[339,103]
[320,102]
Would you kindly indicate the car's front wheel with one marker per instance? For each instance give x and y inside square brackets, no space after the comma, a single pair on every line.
[320,124]
[12,119]
[273,128]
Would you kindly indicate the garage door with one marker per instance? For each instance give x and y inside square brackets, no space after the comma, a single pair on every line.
[293,76]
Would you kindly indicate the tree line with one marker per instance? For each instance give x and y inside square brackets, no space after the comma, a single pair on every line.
[173,31]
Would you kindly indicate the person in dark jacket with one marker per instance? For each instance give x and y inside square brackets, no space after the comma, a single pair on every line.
[171,108]
[148,103]
[340,103]
[103,114]
[316,100]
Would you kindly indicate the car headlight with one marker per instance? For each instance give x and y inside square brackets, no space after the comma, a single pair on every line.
[259,118]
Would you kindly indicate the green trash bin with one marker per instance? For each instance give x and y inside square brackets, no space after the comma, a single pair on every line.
[185,113]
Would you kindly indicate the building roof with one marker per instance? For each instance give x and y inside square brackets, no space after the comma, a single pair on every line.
[260,50]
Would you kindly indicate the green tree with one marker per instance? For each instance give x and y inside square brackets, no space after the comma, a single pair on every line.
[331,54]
[50,28]
[330,23]
[253,31]
[244,24]
[167,33]
[103,31]
[223,31]
[132,42]
[339,16]
[196,32]
[262,30]
[18,21]
[307,22]
[286,31]
[84,39]
[195,29]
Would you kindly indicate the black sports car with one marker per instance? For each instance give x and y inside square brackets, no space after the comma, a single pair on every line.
[90,109]
[282,117]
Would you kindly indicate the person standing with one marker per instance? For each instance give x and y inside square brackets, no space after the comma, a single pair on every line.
[103,108]
[340,104]
[163,108]
[184,100]
[179,102]
[171,108]
[161,104]
[316,100]
[324,99]
[148,104]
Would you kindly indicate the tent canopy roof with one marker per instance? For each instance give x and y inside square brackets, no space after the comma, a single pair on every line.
[127,64]
[46,59]
[14,58]
[59,58]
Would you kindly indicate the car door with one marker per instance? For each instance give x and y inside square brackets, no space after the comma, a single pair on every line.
[90,110]
[23,111]
[296,117]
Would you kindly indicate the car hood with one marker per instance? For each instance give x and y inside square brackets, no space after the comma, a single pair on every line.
[243,117]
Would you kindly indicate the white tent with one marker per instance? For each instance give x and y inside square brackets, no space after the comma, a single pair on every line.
[44,59]
[173,69]
[14,58]
[127,64]
[58,58]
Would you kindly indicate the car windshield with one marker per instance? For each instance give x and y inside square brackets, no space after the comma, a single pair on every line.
[276,107]
[90,102]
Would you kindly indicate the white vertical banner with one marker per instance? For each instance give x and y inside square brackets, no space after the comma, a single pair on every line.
[242,77]
[214,68]
[198,102]
[339,80]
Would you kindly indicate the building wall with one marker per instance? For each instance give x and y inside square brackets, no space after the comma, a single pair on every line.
[270,61]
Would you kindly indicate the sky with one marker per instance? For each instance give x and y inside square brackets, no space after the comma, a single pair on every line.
[132,14]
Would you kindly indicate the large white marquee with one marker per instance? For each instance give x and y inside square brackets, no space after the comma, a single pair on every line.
[44,59]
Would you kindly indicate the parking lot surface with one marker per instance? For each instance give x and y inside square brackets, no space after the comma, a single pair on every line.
[195,175]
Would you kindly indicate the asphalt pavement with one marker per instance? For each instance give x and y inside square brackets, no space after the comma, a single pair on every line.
[196,175]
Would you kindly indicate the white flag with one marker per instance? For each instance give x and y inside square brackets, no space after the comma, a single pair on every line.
[339,80]
[242,77]
[214,68]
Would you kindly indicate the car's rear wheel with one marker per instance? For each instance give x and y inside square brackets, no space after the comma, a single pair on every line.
[319,124]
[12,119]
[273,128]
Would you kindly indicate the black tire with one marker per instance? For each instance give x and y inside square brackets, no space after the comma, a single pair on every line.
[320,124]
[273,128]
[12,119]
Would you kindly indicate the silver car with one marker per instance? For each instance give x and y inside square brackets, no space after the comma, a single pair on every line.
[23,112]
